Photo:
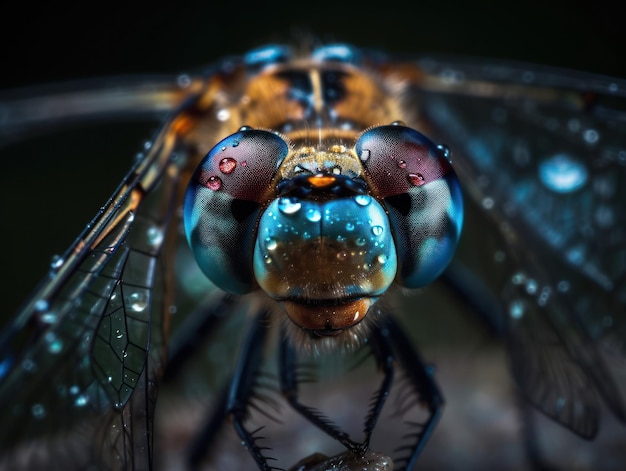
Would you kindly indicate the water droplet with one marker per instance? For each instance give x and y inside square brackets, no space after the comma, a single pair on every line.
[183,81]
[137,301]
[289,205]
[604,216]
[227,165]
[48,318]
[342,255]
[119,334]
[575,255]
[81,401]
[531,286]
[245,128]
[41,305]
[271,243]
[74,390]
[573,125]
[591,136]
[377,230]
[416,179]
[214,183]
[349,226]
[235,143]
[38,411]
[398,123]
[487,203]
[362,200]
[562,174]
[544,295]
[518,278]
[55,345]
[516,309]
[155,236]
[57,262]
[401,164]
[223,115]
[361,241]
[29,366]
[365,155]
[563,286]
[313,215]
[444,149]
[382,258]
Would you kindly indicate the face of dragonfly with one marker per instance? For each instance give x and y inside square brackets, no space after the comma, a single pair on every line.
[307,184]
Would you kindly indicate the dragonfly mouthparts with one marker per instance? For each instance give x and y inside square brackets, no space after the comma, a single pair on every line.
[327,318]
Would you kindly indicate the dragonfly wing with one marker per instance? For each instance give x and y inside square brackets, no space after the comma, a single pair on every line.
[81,360]
[541,154]
[27,112]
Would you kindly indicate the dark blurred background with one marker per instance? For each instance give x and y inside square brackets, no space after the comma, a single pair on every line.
[49,189]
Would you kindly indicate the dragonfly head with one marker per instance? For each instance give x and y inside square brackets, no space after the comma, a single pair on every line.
[325,232]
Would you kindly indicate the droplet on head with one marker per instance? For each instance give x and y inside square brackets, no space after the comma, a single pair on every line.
[271,243]
[288,205]
[214,183]
[363,200]
[313,215]
[416,179]
[227,165]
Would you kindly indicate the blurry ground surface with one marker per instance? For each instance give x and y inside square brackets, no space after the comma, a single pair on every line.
[480,428]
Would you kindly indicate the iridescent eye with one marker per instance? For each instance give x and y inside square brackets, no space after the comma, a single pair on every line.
[222,205]
[421,193]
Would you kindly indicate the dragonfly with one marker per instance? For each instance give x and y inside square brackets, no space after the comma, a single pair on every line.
[305,193]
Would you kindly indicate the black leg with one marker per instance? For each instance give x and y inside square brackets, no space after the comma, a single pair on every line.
[419,379]
[289,386]
[243,389]
[239,395]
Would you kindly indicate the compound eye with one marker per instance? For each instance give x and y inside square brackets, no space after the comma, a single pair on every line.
[222,205]
[421,192]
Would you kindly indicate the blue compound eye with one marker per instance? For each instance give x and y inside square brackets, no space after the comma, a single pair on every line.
[222,205]
[422,195]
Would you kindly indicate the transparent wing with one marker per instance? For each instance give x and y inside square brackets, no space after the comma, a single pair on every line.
[80,361]
[542,157]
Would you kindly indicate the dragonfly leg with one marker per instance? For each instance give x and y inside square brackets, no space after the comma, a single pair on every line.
[243,388]
[289,387]
[419,378]
[235,400]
